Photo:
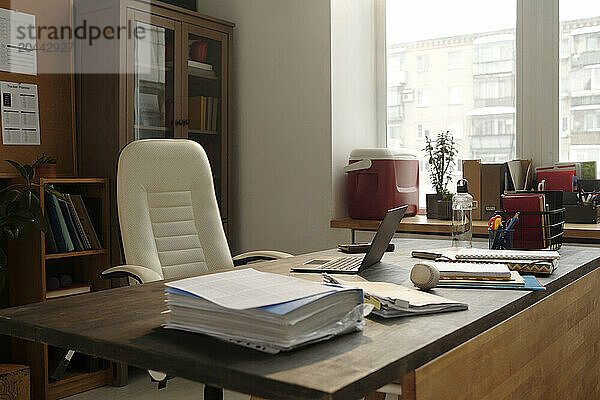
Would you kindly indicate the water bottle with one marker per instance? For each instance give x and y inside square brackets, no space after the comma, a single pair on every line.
[462,210]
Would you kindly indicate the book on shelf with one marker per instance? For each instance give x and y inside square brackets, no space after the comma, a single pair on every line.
[77,221]
[68,291]
[203,111]
[200,65]
[70,227]
[59,226]
[199,68]
[86,222]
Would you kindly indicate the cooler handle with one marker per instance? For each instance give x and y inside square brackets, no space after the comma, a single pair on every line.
[359,165]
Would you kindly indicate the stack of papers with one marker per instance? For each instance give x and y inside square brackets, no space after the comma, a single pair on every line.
[391,300]
[263,311]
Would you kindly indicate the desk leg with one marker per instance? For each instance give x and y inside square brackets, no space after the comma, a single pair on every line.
[353,235]
[212,393]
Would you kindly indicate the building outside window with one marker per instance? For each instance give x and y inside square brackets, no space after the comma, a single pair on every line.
[423,63]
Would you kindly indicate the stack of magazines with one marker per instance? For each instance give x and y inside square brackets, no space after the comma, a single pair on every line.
[263,311]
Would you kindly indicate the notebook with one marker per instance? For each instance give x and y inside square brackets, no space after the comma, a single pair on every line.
[457,270]
[531,283]
[484,254]
[515,280]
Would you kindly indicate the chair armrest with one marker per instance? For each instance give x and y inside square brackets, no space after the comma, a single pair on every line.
[260,255]
[140,274]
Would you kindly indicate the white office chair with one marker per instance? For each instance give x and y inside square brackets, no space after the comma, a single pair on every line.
[169,217]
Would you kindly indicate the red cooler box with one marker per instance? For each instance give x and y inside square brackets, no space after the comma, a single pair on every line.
[380,179]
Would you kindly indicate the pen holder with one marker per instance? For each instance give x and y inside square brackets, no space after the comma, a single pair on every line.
[500,239]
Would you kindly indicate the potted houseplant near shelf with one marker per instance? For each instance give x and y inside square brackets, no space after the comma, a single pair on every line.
[441,157]
[20,208]
[45,167]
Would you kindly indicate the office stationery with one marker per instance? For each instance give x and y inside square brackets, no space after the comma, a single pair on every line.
[263,311]
[557,179]
[530,283]
[530,232]
[476,270]
[354,265]
[515,280]
[20,113]
[484,254]
[354,248]
[384,351]
[432,254]
[391,300]
[78,225]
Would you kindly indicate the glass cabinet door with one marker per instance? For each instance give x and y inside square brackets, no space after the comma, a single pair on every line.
[205,100]
[152,78]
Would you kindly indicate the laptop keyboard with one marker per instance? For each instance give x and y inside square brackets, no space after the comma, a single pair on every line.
[342,264]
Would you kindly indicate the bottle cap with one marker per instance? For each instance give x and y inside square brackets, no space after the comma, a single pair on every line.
[462,186]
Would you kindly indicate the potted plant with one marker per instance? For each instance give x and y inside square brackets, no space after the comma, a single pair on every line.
[45,167]
[441,157]
[20,208]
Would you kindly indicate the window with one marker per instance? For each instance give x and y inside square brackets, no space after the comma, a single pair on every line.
[422,132]
[455,59]
[455,95]
[423,63]
[579,71]
[422,97]
[470,65]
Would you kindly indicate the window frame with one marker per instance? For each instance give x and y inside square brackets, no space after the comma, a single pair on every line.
[536,20]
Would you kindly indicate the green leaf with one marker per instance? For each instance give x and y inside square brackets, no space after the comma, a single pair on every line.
[18,167]
[30,171]
[10,187]
[9,197]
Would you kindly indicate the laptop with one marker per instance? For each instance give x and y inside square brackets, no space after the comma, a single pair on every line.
[356,264]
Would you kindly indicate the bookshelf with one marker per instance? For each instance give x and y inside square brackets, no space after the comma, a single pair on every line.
[154,87]
[30,264]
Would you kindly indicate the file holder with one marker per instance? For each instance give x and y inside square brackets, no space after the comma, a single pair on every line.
[537,230]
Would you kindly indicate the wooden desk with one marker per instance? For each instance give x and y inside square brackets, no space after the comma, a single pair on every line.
[543,344]
[421,224]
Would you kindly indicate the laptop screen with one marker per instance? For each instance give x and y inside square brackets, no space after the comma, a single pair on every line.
[383,236]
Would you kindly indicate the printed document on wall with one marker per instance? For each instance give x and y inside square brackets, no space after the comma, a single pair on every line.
[20,114]
[17,42]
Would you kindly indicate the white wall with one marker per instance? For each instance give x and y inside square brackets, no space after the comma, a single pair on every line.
[353,83]
[282,125]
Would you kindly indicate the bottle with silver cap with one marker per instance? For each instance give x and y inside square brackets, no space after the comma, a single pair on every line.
[462,210]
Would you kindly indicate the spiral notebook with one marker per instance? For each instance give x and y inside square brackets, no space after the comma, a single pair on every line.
[486,254]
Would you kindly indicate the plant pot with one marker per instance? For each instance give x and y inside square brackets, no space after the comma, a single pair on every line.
[438,208]
[45,171]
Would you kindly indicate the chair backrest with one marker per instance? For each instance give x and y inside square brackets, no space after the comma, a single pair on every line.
[168,212]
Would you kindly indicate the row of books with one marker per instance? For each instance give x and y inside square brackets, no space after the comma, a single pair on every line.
[203,113]
[71,227]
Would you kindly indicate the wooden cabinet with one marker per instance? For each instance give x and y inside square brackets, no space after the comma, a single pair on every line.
[169,76]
